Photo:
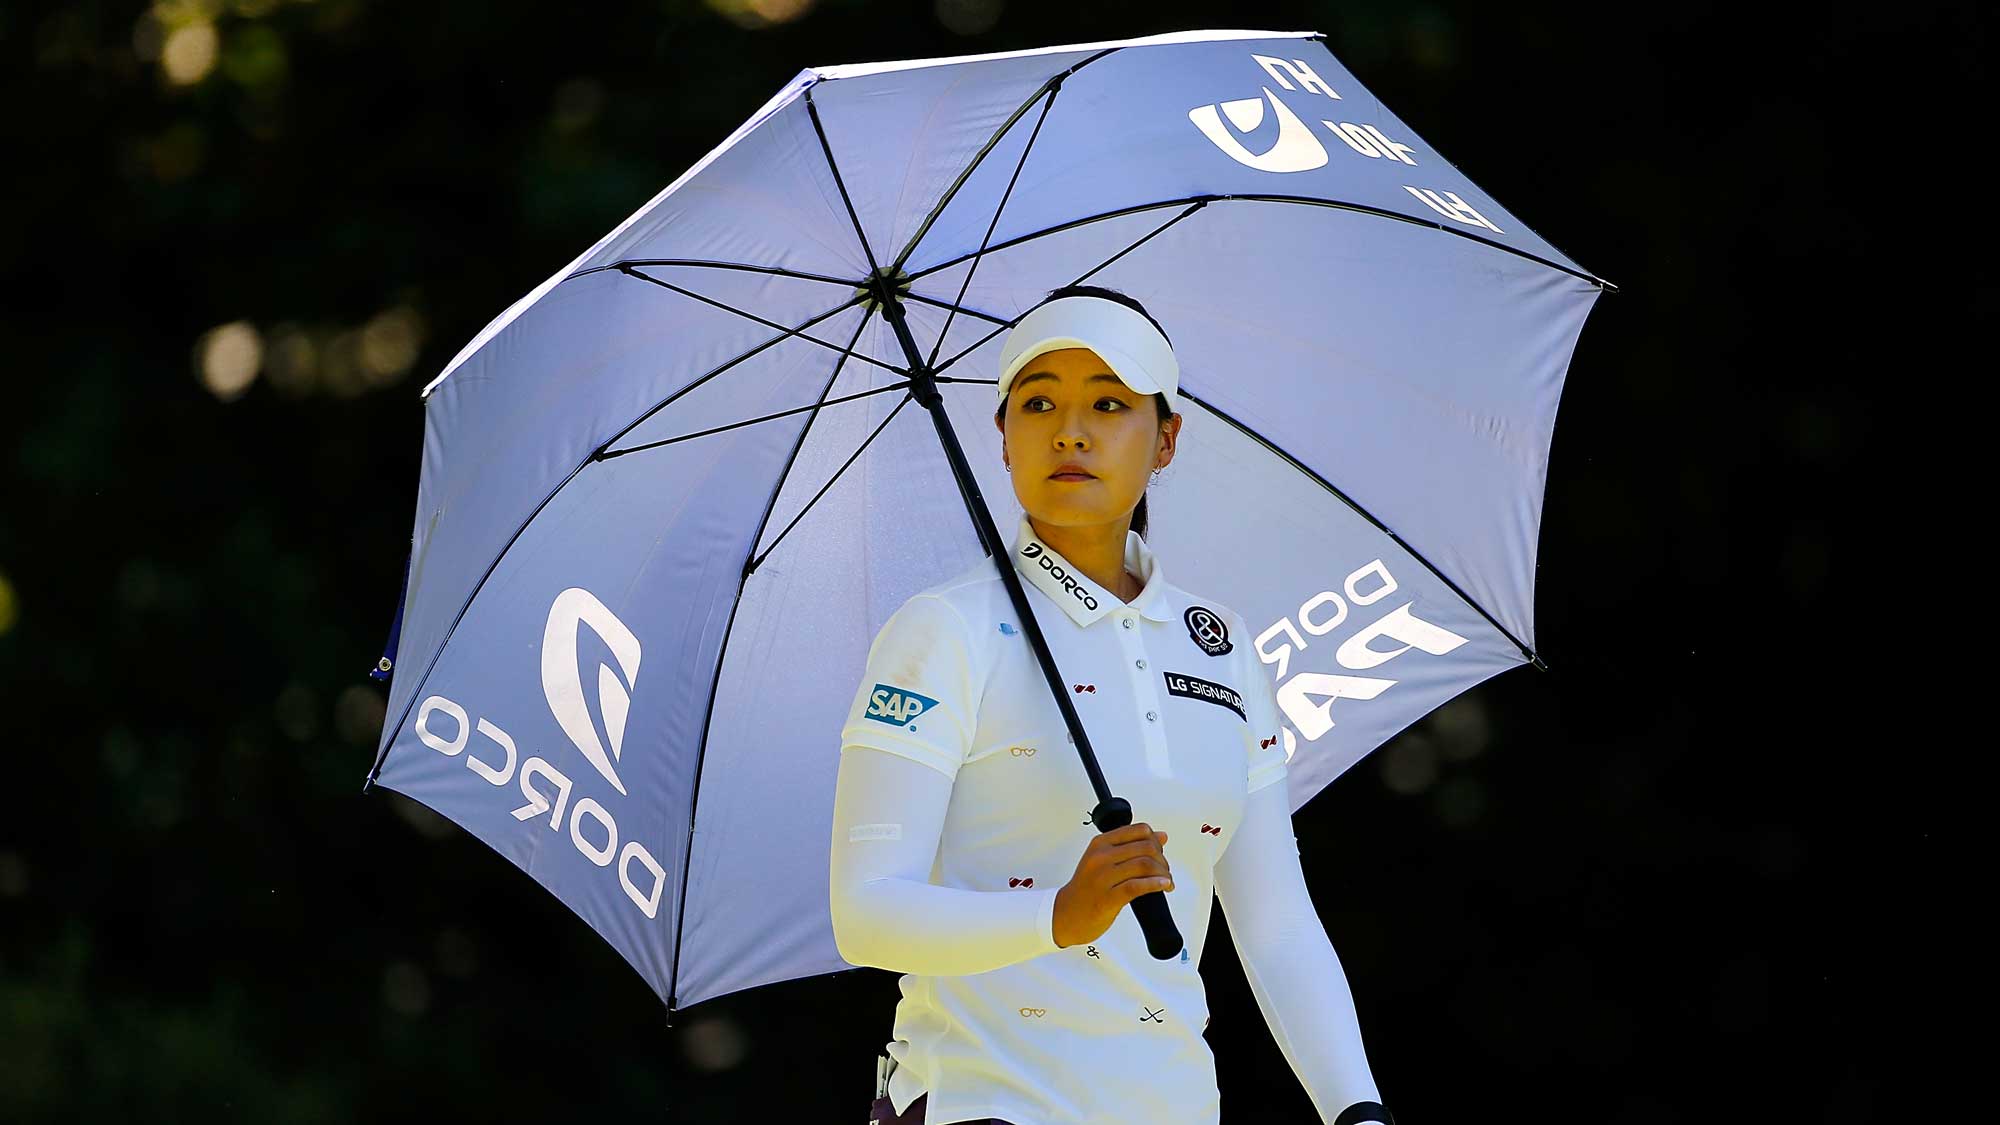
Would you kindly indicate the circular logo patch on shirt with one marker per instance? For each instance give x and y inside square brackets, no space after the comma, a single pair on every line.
[1208,630]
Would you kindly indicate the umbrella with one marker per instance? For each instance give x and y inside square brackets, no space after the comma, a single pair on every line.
[669,495]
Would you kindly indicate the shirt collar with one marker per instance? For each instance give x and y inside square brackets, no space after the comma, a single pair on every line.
[1070,588]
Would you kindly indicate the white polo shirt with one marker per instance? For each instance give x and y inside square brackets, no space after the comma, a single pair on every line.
[1184,725]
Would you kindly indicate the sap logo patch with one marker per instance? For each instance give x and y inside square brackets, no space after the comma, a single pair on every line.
[896,706]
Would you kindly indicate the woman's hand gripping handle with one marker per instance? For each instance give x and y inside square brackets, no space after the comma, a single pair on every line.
[1123,863]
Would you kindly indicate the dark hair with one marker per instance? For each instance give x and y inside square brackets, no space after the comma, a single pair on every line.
[1161,409]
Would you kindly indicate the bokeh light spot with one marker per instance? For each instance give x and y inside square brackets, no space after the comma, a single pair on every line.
[1461,728]
[754,14]
[297,712]
[175,154]
[340,364]
[358,714]
[715,1043]
[577,104]
[389,344]
[968,17]
[255,57]
[188,55]
[229,357]
[9,608]
[1410,764]
[406,989]
[292,363]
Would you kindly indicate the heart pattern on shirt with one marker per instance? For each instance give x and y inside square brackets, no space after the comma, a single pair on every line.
[1092,688]
[1028,882]
[1212,828]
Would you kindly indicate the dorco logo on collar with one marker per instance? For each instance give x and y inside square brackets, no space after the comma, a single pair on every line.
[1034,551]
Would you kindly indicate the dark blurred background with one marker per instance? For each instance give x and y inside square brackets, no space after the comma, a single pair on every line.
[1675,878]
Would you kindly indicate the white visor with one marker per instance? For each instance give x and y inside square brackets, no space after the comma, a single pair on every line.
[1136,351]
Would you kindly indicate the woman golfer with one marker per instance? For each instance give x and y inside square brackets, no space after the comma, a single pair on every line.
[963,852]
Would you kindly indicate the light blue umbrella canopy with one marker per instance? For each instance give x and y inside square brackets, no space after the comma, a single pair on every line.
[669,496]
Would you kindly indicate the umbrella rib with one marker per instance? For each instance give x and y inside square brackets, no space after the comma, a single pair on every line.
[669,401]
[708,263]
[759,560]
[986,316]
[1004,196]
[977,344]
[1054,82]
[610,453]
[383,754]
[715,682]
[812,110]
[1365,514]
[633,272]
[783,272]
[1257,198]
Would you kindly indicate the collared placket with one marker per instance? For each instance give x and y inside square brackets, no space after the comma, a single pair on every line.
[1145,692]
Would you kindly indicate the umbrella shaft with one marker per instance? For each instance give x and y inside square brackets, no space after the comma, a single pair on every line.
[924,389]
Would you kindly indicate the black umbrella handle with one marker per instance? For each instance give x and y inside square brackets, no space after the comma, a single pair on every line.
[1163,938]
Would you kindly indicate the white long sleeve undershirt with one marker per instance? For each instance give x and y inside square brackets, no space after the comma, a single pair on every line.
[1287,958]
[887,914]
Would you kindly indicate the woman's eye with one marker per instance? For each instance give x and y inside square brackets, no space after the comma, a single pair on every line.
[1038,398]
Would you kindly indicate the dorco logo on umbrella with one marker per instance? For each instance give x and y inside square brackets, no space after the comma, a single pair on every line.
[1298,147]
[546,788]
[563,684]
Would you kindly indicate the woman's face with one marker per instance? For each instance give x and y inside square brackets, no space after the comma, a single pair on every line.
[1066,406]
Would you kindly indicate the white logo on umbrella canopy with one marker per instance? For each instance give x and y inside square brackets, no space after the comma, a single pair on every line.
[563,683]
[1296,149]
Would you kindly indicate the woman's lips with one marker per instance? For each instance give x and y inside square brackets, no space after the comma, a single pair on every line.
[1072,476]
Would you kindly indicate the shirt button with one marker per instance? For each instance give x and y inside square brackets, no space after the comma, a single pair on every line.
[1140,663]
[1125,621]
[1150,716]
